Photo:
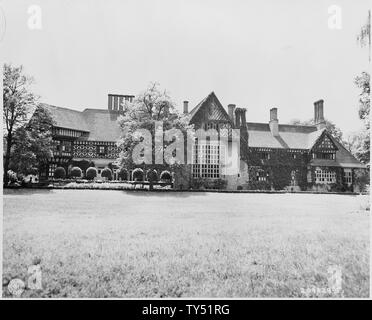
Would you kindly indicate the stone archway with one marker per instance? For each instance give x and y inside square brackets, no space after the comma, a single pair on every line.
[166,176]
[137,174]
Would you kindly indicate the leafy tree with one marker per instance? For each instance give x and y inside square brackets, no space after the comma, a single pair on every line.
[18,103]
[59,173]
[362,139]
[330,126]
[32,143]
[356,143]
[364,36]
[148,107]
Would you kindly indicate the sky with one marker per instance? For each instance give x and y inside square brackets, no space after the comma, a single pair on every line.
[255,54]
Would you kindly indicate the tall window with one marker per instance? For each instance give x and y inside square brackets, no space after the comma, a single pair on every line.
[52,168]
[206,161]
[348,176]
[325,176]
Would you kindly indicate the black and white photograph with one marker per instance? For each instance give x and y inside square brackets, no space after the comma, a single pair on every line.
[171,150]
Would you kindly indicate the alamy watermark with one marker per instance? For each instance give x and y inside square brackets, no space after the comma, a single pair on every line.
[202,147]
[16,286]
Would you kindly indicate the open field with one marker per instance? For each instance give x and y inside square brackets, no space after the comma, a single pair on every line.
[96,243]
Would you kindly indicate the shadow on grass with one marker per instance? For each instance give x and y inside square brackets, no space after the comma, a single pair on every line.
[164,194]
[140,193]
[27,191]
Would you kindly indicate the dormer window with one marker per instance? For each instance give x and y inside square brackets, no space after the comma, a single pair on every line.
[324,155]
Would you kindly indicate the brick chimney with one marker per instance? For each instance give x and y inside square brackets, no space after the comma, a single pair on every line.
[115,101]
[185,107]
[238,113]
[319,114]
[231,109]
[274,122]
[243,133]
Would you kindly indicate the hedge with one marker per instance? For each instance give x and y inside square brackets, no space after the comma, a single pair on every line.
[91,173]
[76,172]
[106,173]
[59,173]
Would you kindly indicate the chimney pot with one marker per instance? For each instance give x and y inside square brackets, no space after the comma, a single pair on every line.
[273,114]
[185,107]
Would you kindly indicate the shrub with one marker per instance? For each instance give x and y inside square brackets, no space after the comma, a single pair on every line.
[123,174]
[59,173]
[76,172]
[34,171]
[152,176]
[12,176]
[362,179]
[91,173]
[106,173]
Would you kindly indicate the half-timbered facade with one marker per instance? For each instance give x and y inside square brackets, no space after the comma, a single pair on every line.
[272,155]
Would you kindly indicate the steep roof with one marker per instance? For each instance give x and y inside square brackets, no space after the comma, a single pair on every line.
[101,124]
[344,158]
[67,118]
[210,107]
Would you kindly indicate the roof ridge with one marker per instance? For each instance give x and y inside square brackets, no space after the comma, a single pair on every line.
[58,107]
[285,124]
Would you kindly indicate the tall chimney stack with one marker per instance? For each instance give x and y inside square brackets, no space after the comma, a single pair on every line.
[185,107]
[274,122]
[238,113]
[116,101]
[231,109]
[319,120]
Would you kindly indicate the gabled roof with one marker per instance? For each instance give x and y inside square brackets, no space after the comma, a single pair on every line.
[343,158]
[210,108]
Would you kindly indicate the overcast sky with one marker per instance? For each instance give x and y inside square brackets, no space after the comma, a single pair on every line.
[256,54]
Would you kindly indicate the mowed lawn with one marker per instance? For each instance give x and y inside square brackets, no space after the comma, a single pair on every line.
[96,243]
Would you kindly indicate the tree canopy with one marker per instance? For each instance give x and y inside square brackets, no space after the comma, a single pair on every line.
[150,107]
[27,125]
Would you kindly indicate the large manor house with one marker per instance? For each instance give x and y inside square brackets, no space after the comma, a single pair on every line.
[273,156]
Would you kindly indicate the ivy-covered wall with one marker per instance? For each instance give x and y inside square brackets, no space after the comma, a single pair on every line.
[277,165]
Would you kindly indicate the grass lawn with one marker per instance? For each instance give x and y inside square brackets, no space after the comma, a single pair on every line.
[96,243]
